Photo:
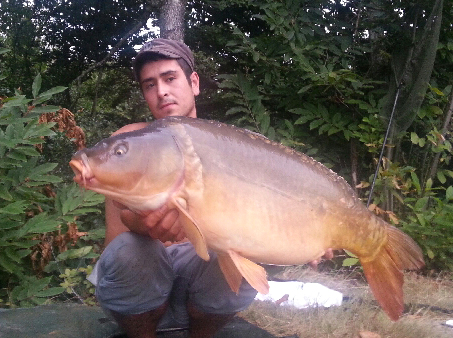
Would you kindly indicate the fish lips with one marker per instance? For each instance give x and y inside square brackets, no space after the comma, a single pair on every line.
[80,167]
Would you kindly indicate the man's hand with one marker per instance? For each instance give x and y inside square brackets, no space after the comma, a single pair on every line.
[328,254]
[161,224]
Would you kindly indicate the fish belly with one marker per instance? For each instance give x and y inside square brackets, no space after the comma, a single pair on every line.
[261,224]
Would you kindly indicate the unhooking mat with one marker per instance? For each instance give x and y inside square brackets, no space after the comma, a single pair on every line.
[81,321]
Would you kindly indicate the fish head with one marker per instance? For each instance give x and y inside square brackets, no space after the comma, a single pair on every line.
[139,169]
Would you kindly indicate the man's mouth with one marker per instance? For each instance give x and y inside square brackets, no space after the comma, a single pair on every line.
[166,105]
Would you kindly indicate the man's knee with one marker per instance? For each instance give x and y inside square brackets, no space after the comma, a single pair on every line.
[135,274]
[210,292]
[130,253]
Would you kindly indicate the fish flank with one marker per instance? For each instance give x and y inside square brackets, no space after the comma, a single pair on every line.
[259,139]
[193,169]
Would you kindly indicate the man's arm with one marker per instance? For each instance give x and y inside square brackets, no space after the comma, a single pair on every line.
[113,224]
[161,224]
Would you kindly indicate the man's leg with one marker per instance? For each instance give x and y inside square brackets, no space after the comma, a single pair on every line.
[142,325]
[134,281]
[208,300]
[205,325]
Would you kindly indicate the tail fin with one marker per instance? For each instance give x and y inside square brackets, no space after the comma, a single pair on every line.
[385,272]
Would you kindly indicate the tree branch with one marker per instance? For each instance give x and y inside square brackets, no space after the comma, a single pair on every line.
[135,29]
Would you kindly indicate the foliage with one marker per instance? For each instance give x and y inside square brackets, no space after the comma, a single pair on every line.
[77,279]
[33,291]
[430,223]
[311,74]
[299,58]
[351,260]
[303,82]
[62,39]
[109,99]
[34,216]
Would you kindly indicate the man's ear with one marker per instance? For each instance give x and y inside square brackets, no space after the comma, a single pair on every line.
[195,81]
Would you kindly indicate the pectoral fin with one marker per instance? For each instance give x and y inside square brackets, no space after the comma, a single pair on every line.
[252,272]
[192,231]
[230,271]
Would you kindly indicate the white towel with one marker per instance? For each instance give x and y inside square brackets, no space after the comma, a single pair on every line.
[301,295]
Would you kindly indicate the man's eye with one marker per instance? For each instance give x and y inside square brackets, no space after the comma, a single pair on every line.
[147,86]
[171,79]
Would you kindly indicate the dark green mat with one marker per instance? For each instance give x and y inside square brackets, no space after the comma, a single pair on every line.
[74,320]
[57,320]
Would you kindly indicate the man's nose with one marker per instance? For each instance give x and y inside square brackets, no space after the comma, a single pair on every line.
[162,90]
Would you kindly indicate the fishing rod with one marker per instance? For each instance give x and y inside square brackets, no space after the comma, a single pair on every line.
[383,145]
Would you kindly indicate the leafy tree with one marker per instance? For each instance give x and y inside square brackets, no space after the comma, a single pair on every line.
[33,216]
[63,39]
[316,75]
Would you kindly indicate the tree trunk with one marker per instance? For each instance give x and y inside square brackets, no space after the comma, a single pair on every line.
[171,20]
[412,68]
[96,92]
[354,163]
[444,130]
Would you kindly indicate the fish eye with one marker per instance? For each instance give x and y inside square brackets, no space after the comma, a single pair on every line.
[120,149]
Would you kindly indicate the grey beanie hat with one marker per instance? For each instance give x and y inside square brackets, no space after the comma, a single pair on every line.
[169,48]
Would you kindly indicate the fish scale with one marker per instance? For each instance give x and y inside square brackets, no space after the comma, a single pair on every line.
[249,199]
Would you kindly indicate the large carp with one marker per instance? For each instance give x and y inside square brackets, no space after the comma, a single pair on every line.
[249,199]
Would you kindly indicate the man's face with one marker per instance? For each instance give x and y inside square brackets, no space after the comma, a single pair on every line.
[166,89]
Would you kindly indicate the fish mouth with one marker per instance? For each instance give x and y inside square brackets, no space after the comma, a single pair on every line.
[83,175]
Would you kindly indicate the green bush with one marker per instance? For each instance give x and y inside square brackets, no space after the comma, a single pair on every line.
[307,89]
[35,206]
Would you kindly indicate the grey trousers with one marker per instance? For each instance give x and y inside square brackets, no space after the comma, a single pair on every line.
[136,274]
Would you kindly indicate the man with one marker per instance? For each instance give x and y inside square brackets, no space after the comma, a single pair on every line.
[142,283]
